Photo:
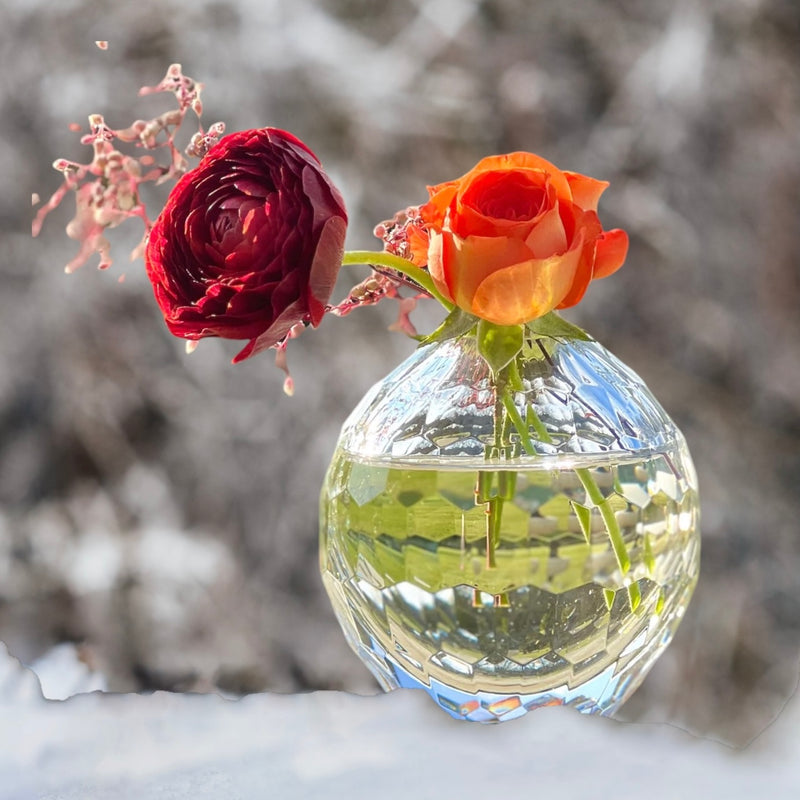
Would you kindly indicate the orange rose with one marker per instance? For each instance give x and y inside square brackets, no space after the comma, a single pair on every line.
[515,238]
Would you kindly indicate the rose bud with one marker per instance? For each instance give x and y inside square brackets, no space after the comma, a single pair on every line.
[249,243]
[515,238]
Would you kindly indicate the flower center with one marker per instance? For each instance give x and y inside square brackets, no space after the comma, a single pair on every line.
[512,196]
[223,222]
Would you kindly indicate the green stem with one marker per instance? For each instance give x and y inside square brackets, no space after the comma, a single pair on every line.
[519,425]
[607,513]
[584,475]
[403,265]
[500,383]
[533,420]
[496,486]
[494,505]
[614,533]
[494,513]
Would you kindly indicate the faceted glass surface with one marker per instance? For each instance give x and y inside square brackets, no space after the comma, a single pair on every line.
[503,585]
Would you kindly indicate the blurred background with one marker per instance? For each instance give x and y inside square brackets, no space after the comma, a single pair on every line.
[158,511]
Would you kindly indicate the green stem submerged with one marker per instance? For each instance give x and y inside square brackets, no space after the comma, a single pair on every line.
[507,381]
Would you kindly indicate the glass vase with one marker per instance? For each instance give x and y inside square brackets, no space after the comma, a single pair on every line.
[500,578]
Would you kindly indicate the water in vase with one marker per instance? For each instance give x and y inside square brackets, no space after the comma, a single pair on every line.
[501,588]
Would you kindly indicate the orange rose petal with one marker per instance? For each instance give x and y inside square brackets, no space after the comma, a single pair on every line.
[522,160]
[442,195]
[418,241]
[612,247]
[468,262]
[583,277]
[586,191]
[456,267]
[526,290]
[436,265]
[548,236]
[441,187]
[433,212]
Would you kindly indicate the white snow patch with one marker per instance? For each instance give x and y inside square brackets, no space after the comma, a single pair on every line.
[62,674]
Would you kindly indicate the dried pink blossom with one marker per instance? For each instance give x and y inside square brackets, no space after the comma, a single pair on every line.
[395,232]
[281,361]
[379,286]
[107,188]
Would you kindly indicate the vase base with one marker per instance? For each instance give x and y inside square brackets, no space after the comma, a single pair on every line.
[603,694]
[489,707]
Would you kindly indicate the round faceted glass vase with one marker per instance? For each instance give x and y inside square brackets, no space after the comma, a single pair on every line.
[502,579]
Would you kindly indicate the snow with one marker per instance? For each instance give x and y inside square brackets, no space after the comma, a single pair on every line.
[62,674]
[331,744]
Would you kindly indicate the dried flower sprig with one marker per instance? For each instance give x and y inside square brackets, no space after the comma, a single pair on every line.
[107,188]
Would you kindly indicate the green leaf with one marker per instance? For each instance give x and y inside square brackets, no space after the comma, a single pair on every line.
[499,344]
[457,323]
[584,516]
[555,327]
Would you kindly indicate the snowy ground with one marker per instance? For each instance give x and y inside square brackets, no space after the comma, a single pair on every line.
[332,745]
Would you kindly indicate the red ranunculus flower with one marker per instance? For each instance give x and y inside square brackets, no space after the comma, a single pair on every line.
[249,243]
